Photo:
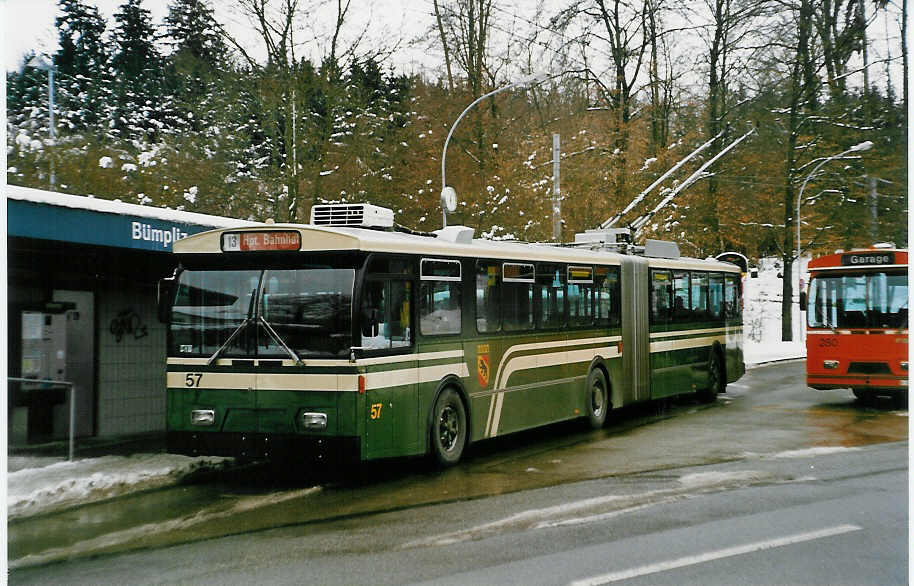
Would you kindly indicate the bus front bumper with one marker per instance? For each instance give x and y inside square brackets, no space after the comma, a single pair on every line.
[844,381]
[266,446]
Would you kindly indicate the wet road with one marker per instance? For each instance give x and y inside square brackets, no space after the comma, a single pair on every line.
[768,411]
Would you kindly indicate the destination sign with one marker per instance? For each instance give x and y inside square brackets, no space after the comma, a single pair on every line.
[863,259]
[261,241]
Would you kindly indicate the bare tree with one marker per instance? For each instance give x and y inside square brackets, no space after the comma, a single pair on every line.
[802,95]
[282,82]
[444,45]
[838,26]
[621,27]
[729,32]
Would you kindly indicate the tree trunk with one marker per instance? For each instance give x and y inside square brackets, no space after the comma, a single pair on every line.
[447,53]
[802,89]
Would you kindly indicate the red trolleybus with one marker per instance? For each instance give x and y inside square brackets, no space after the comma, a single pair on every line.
[857,323]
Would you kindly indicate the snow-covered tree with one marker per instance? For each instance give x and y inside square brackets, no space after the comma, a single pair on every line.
[81,62]
[137,68]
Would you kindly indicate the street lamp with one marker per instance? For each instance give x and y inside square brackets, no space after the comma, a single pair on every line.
[448,193]
[41,62]
[863,146]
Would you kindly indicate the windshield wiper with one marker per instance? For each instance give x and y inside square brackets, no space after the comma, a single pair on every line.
[247,321]
[228,341]
[276,337]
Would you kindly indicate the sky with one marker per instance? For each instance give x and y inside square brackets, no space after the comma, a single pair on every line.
[29,25]
[392,24]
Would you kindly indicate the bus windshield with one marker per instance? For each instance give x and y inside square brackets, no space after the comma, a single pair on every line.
[263,313]
[859,300]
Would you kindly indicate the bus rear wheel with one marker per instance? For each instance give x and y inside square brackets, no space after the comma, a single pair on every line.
[449,428]
[715,379]
[597,398]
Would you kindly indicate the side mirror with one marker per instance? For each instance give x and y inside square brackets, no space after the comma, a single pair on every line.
[753,273]
[803,301]
[165,297]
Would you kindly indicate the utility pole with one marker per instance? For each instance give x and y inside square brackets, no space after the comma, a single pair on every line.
[556,188]
[874,207]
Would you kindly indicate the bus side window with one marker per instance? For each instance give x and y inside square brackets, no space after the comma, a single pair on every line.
[439,296]
[385,314]
[488,296]
[716,296]
[373,315]
[517,296]
[550,285]
[399,330]
[661,296]
[731,297]
[682,311]
[608,301]
[700,296]
[581,296]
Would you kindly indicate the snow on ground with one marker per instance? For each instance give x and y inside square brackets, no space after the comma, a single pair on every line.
[762,317]
[38,485]
[42,485]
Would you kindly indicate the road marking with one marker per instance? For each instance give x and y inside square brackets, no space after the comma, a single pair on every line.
[715,555]
[739,386]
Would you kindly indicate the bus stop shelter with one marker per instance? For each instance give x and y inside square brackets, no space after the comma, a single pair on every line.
[81,303]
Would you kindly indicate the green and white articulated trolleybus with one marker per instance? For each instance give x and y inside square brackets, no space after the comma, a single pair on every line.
[347,340]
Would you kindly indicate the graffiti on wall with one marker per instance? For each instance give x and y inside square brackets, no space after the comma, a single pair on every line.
[128,322]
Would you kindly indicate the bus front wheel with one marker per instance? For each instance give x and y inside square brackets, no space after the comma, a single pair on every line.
[449,428]
[597,398]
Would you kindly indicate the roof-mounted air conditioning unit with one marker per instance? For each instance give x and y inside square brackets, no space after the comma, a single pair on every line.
[355,215]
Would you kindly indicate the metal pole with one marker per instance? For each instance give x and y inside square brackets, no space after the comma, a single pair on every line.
[874,208]
[556,188]
[448,139]
[53,130]
[72,420]
[522,83]
[863,146]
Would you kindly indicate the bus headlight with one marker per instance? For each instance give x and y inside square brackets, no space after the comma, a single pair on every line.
[202,417]
[314,421]
[904,365]
[830,364]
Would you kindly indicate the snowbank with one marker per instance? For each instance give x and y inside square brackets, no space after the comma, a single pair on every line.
[40,486]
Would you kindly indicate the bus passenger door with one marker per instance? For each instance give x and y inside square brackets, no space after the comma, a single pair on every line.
[391,399]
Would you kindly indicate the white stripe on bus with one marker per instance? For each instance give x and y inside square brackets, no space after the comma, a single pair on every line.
[316,382]
[668,345]
[529,361]
[694,332]
[545,345]
[420,357]
[489,416]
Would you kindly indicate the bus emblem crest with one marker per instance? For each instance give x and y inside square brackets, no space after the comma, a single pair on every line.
[482,369]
